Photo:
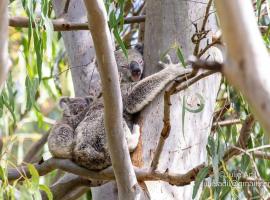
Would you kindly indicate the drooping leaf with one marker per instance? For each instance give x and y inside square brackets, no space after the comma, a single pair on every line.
[198,180]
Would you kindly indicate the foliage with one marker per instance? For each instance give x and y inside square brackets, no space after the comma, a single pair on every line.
[35,82]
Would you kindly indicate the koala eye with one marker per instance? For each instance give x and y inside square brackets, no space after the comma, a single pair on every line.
[125,66]
[140,62]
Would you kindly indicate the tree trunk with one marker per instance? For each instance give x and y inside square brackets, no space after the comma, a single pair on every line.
[170,22]
[80,49]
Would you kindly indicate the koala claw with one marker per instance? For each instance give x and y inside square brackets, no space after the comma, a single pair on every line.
[133,139]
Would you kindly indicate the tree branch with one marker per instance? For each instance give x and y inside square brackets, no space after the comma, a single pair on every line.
[64,25]
[247,63]
[128,187]
[4,60]
[71,185]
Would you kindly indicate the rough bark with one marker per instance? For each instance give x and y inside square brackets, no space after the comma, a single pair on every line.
[4,64]
[170,22]
[247,62]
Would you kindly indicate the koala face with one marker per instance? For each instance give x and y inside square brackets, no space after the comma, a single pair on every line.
[131,68]
[74,106]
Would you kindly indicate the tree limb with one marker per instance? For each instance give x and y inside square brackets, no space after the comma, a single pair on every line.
[247,63]
[64,25]
[4,60]
[128,187]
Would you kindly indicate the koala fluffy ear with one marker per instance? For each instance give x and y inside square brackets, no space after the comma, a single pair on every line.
[63,102]
[139,47]
[89,99]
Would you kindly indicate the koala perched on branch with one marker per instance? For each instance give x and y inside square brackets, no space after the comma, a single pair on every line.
[89,146]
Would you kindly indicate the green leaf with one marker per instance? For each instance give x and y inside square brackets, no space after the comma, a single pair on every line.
[181,56]
[2,173]
[47,190]
[199,178]
[120,42]
[183,115]
[31,90]
[34,175]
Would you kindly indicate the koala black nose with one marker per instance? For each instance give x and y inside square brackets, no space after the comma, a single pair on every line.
[134,66]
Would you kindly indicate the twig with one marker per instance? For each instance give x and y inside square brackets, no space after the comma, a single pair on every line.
[35,148]
[64,25]
[202,51]
[226,123]
[202,30]
[242,140]
[261,154]
[66,6]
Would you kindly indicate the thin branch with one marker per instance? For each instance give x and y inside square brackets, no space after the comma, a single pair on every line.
[64,25]
[66,6]
[226,123]
[202,33]
[261,154]
[203,51]
[242,140]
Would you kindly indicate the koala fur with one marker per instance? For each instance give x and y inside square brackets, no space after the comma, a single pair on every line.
[88,146]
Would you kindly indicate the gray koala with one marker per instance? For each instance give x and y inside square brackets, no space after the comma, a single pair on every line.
[89,147]
[61,138]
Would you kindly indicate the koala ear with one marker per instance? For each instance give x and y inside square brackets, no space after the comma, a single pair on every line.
[63,102]
[89,99]
[139,47]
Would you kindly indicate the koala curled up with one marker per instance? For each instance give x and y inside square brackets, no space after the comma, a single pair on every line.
[81,136]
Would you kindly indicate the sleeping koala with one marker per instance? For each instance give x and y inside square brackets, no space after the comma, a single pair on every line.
[89,146]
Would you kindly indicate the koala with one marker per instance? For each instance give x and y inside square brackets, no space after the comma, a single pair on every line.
[61,138]
[89,146]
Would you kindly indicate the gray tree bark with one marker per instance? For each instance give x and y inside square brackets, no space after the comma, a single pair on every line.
[4,64]
[80,49]
[169,22]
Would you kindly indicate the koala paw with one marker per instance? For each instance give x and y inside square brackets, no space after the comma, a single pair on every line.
[133,139]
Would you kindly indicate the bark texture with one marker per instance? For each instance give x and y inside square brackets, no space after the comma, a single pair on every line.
[170,22]
[80,49]
[247,61]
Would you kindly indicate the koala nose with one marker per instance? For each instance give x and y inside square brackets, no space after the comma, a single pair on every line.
[134,66]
